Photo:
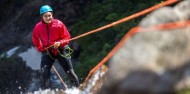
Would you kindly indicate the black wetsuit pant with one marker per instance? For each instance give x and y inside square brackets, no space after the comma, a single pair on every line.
[47,62]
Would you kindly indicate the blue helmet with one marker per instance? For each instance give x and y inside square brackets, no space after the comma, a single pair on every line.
[45,8]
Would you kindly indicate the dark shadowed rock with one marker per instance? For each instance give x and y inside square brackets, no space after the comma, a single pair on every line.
[20,17]
[17,20]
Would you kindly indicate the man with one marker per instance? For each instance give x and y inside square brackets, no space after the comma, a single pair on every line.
[47,32]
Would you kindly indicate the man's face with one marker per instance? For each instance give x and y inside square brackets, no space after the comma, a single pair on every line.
[47,17]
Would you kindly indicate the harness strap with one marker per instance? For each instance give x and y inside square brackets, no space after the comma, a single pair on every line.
[50,55]
[67,55]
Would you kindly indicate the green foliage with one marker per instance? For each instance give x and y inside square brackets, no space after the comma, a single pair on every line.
[98,45]
[186,91]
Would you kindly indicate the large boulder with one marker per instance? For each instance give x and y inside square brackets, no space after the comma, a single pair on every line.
[153,62]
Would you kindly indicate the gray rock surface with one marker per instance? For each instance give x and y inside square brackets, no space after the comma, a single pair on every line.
[153,62]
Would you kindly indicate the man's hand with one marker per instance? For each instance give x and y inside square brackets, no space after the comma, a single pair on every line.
[56,45]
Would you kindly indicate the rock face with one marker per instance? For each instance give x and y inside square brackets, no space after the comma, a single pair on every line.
[153,62]
[19,18]
[94,83]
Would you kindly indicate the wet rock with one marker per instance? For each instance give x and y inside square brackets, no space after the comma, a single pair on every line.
[95,82]
[153,62]
[18,22]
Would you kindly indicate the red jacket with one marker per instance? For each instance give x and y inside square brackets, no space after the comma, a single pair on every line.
[45,35]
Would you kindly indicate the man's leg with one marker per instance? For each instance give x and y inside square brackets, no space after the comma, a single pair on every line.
[68,68]
[46,64]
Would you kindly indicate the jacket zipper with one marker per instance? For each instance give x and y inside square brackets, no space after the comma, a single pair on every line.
[48,34]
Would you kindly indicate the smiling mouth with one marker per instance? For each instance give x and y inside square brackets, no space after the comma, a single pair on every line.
[49,20]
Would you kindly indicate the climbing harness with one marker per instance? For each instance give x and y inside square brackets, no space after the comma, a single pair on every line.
[68,51]
[66,54]
[47,51]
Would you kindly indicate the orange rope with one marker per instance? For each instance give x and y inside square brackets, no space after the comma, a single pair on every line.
[126,19]
[168,2]
[132,31]
[59,77]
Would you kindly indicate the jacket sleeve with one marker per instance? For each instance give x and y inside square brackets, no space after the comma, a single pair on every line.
[37,41]
[64,35]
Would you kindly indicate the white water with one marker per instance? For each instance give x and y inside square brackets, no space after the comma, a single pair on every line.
[87,90]
[11,51]
[32,58]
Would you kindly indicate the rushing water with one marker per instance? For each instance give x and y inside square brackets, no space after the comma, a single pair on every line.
[87,89]
[34,86]
[12,51]
[29,56]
